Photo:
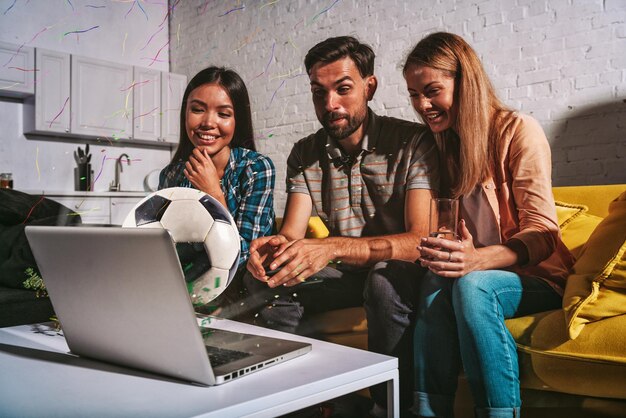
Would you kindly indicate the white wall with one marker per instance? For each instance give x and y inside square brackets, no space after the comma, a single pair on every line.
[123,35]
[562,61]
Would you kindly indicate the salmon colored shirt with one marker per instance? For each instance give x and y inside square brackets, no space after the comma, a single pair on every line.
[522,200]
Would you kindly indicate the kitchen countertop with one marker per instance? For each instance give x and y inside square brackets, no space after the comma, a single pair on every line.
[71,193]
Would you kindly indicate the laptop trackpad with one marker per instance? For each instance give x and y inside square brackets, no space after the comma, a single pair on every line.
[232,350]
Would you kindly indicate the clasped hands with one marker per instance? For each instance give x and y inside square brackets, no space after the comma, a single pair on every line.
[450,258]
[295,260]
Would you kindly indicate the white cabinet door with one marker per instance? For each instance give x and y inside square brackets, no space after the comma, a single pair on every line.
[146,104]
[121,207]
[102,98]
[17,70]
[172,89]
[52,93]
[92,210]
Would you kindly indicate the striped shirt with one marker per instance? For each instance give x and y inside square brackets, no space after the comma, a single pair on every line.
[365,195]
[248,187]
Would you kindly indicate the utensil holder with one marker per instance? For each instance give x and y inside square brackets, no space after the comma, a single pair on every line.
[82,177]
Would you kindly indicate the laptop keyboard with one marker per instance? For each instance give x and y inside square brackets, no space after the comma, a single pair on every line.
[219,356]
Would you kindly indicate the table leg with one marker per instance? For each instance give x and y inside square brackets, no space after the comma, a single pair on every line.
[393,399]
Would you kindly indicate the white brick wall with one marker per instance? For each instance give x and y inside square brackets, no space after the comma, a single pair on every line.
[563,61]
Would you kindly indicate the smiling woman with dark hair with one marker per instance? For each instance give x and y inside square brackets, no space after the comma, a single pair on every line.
[216,153]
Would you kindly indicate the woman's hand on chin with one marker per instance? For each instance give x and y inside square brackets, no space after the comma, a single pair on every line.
[202,173]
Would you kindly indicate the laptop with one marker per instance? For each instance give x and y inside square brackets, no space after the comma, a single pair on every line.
[121,297]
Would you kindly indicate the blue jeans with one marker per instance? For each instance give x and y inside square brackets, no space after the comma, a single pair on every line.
[461,322]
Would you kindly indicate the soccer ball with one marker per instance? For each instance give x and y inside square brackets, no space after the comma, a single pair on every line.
[206,237]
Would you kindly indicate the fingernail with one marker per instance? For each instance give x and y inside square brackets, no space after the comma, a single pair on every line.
[423,239]
[270,283]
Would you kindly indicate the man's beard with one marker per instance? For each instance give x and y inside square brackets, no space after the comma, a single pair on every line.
[338,133]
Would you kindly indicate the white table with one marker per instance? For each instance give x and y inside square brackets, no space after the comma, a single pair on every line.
[39,378]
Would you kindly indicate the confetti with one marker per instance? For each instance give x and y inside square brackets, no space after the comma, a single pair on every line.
[23,69]
[169,10]
[232,10]
[268,63]
[101,168]
[124,44]
[60,112]
[145,114]
[32,209]
[22,46]
[10,7]
[129,10]
[132,86]
[81,31]
[142,9]
[323,11]
[269,4]
[151,37]
[157,54]
[9,86]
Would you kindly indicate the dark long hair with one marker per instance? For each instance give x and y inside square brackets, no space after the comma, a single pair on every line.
[238,93]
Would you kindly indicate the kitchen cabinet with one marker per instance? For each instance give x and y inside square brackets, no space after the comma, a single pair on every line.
[50,108]
[17,70]
[89,99]
[172,90]
[102,98]
[146,104]
[121,207]
[103,208]
[92,210]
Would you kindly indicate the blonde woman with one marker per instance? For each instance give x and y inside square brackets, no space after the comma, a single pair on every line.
[508,260]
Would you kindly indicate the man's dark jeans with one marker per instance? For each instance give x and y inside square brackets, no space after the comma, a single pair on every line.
[391,292]
[289,308]
[388,290]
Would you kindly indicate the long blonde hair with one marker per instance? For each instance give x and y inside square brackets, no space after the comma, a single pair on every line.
[470,154]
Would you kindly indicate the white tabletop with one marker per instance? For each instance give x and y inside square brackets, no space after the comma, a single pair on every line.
[39,378]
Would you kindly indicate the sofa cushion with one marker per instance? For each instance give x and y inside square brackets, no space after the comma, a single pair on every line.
[596,197]
[594,364]
[597,287]
[566,212]
[576,225]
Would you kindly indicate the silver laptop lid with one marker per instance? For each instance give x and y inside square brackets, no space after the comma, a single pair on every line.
[121,297]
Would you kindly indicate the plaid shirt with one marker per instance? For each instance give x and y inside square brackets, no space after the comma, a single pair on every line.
[248,186]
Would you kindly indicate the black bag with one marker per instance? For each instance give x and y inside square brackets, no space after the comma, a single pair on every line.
[18,269]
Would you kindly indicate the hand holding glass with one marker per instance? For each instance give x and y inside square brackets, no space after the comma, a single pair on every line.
[444,215]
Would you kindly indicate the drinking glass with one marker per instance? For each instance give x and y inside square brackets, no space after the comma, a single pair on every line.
[6,181]
[444,215]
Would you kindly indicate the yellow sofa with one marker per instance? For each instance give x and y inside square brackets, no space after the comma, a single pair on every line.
[592,365]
